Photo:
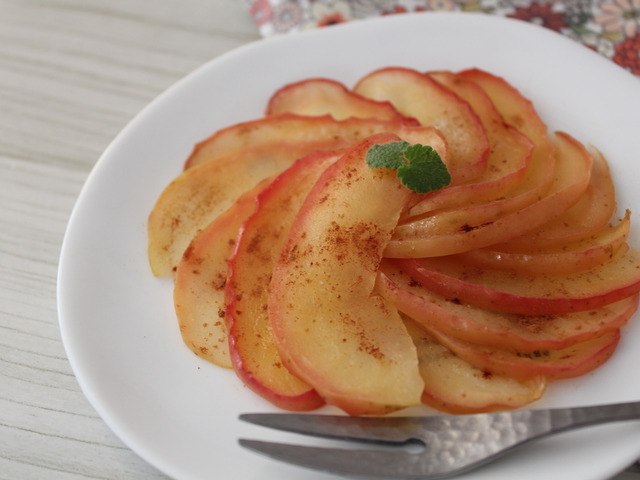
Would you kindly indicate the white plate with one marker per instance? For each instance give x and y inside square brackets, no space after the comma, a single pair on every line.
[117,321]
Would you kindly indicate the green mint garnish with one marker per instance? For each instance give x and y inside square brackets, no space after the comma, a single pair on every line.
[389,155]
[419,167]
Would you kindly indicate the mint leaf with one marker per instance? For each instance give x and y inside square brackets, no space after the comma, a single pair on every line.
[425,170]
[419,167]
[389,155]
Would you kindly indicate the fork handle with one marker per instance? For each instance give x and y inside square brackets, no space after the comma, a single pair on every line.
[568,418]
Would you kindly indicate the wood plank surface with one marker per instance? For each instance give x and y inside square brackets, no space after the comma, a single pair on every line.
[72,74]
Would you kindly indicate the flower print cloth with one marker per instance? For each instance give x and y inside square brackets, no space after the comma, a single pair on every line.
[610,27]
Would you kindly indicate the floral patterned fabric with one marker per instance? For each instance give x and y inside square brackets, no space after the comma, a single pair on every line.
[610,27]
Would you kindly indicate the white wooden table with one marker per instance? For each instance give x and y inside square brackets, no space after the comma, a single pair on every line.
[72,74]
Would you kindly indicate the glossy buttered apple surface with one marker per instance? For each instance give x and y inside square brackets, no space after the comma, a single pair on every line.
[321,280]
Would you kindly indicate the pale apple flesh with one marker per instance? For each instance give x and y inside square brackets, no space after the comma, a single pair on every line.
[198,195]
[573,361]
[234,160]
[601,247]
[591,213]
[201,274]
[513,106]
[254,353]
[483,225]
[530,294]
[491,328]
[331,329]
[455,386]
[510,152]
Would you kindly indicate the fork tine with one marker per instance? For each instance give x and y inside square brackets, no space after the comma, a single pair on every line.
[373,429]
[374,464]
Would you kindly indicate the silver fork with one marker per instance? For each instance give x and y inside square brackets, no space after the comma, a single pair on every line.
[451,444]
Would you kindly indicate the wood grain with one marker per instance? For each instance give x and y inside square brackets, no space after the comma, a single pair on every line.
[72,74]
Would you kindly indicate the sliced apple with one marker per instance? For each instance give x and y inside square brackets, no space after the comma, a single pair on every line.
[570,362]
[198,195]
[258,150]
[509,153]
[516,109]
[480,226]
[322,133]
[591,213]
[419,96]
[497,329]
[453,385]
[331,329]
[198,293]
[518,112]
[591,252]
[323,96]
[254,352]
[529,294]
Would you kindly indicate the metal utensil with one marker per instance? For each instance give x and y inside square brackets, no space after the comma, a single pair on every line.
[450,444]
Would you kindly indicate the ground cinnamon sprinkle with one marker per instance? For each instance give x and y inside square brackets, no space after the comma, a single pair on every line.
[365,344]
[363,239]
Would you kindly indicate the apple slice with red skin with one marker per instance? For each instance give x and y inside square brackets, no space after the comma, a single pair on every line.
[322,133]
[454,386]
[537,181]
[477,228]
[603,246]
[574,361]
[198,195]
[323,96]
[492,328]
[419,96]
[253,349]
[515,109]
[447,221]
[509,153]
[529,294]
[331,329]
[591,213]
[198,293]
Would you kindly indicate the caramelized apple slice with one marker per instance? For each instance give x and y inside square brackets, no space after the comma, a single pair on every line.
[518,112]
[515,108]
[592,212]
[198,293]
[591,252]
[509,153]
[453,385]
[497,329]
[322,133]
[569,362]
[322,96]
[417,95]
[253,349]
[331,329]
[483,225]
[246,154]
[529,294]
[198,195]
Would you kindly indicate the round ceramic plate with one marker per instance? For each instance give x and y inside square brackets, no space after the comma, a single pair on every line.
[118,325]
